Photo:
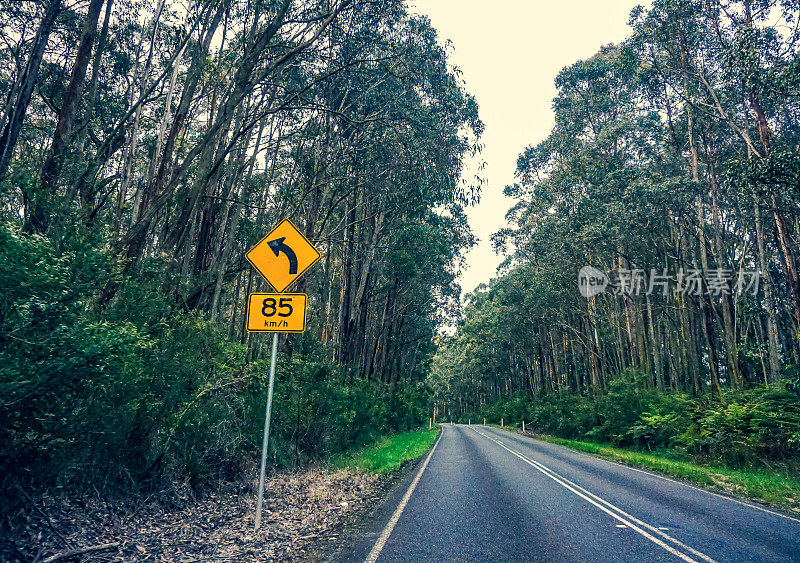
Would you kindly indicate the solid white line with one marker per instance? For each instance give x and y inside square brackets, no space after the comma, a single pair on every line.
[618,513]
[387,531]
[737,501]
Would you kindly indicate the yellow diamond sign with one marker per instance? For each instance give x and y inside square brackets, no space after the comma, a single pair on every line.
[283,255]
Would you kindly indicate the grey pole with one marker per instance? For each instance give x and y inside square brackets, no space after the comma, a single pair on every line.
[266,431]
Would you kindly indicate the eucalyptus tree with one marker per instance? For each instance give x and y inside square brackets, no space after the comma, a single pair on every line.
[670,164]
[184,133]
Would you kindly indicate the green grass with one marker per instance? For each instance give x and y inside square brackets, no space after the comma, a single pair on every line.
[781,490]
[388,454]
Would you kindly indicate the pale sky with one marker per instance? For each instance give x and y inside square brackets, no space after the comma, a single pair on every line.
[510,52]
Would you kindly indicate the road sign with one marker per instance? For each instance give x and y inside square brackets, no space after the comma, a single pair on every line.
[276,312]
[283,255]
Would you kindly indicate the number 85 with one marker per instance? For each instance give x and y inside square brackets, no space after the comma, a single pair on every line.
[269,309]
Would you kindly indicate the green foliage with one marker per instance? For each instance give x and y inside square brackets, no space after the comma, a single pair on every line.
[90,393]
[123,356]
[638,179]
[320,410]
[390,453]
[751,428]
[793,387]
[141,391]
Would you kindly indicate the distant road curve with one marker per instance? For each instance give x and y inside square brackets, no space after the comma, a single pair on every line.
[485,494]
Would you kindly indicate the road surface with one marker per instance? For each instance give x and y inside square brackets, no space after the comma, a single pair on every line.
[485,494]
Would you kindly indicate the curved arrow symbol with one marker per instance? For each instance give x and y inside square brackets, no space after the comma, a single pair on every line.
[277,246]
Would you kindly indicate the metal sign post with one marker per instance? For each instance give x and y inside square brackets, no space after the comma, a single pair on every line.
[280,257]
[266,430]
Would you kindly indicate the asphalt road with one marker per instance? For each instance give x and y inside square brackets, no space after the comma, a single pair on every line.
[486,494]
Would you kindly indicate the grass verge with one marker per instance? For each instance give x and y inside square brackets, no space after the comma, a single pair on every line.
[389,453]
[781,490]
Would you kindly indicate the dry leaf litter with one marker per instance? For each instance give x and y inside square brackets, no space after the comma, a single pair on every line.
[307,515]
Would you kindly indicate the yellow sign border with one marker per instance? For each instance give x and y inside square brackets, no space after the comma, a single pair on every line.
[265,237]
[247,312]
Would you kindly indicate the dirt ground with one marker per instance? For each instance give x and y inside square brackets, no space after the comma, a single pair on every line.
[307,515]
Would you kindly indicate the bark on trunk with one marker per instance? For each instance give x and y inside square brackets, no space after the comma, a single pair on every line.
[16,112]
[38,218]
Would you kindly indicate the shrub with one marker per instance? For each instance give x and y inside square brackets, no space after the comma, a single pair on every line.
[141,392]
[753,427]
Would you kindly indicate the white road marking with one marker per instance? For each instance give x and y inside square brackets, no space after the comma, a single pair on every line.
[613,511]
[621,526]
[737,501]
[387,531]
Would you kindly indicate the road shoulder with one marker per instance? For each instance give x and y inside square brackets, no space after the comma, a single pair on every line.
[357,540]
[782,498]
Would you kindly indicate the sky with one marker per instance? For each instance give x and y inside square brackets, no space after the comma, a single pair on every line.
[510,52]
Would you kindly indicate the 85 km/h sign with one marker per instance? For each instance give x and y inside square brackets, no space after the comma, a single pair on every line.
[276,312]
[280,257]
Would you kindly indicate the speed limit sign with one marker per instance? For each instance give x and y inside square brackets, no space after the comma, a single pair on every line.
[276,312]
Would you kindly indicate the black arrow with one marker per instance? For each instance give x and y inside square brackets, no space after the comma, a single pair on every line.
[278,246]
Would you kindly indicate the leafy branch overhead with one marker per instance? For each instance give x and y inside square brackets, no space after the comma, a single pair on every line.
[672,171]
[145,147]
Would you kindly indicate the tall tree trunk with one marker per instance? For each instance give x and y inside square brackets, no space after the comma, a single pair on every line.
[39,214]
[769,303]
[27,80]
[135,238]
[84,184]
[594,339]
[788,247]
[654,343]
[688,347]
[706,313]
[728,316]
[144,80]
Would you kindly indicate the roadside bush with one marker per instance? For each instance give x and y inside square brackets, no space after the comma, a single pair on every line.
[749,427]
[563,415]
[753,427]
[66,378]
[141,393]
[107,396]
[661,425]
[621,408]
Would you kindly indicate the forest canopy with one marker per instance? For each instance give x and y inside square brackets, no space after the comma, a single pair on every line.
[144,147]
[671,180]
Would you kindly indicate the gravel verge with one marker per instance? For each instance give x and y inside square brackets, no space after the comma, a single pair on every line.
[308,514]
